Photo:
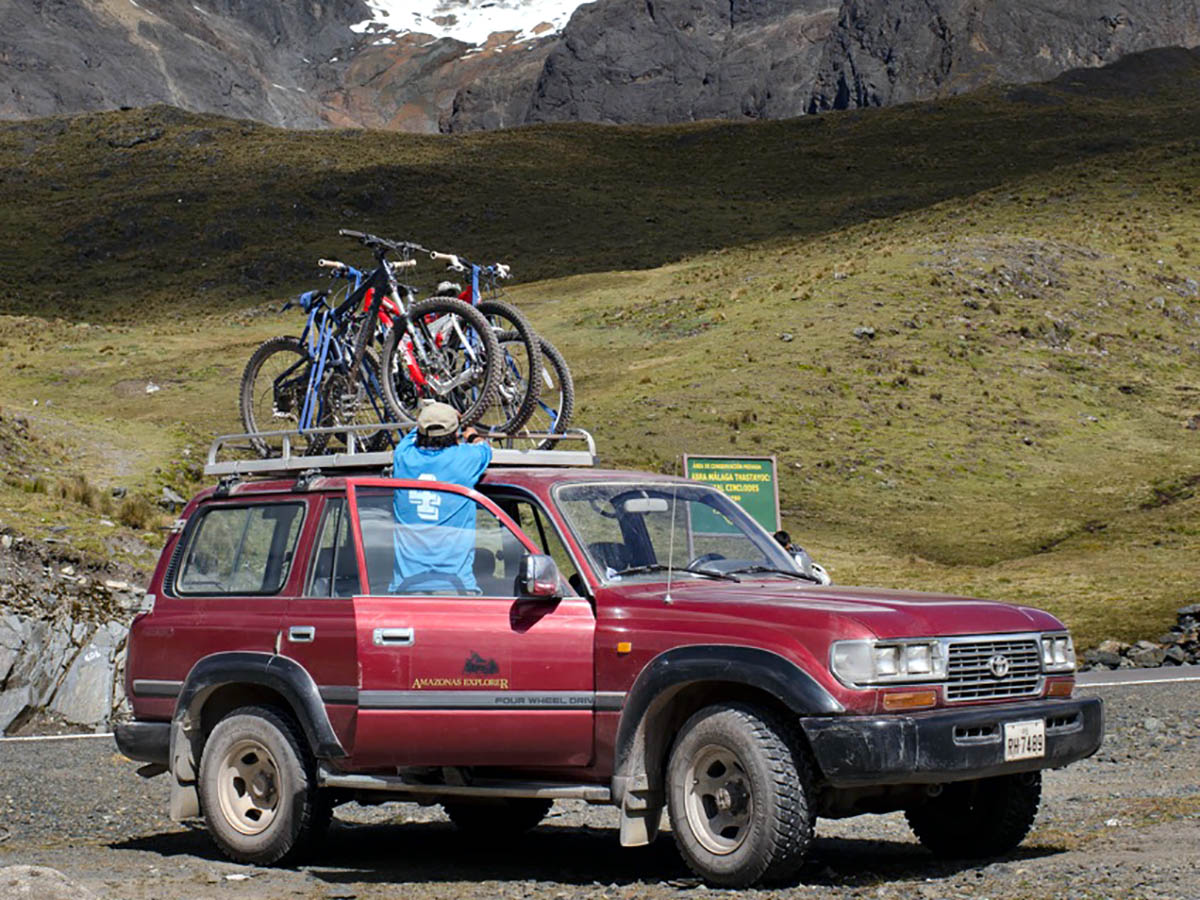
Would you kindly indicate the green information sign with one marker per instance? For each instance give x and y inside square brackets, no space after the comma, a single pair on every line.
[747,480]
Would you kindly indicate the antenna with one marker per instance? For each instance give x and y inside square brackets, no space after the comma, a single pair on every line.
[671,545]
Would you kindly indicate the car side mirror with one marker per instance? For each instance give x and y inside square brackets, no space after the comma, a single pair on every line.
[539,577]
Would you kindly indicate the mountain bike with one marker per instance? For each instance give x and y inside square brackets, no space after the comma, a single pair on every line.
[520,350]
[331,376]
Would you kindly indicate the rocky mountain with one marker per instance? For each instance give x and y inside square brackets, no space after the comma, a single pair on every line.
[434,65]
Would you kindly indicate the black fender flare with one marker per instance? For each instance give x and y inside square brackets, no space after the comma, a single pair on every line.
[680,667]
[284,676]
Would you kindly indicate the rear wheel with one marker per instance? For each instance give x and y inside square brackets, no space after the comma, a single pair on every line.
[447,353]
[739,795]
[975,819]
[495,818]
[258,788]
[273,390]
[520,355]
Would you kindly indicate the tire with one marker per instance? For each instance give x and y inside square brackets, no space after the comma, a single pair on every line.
[740,796]
[976,819]
[497,818]
[520,354]
[350,403]
[466,362]
[272,392]
[556,405]
[258,788]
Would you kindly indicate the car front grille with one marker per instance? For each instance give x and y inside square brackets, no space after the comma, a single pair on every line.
[970,675]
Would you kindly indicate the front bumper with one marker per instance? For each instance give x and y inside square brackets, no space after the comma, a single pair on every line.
[144,741]
[949,744]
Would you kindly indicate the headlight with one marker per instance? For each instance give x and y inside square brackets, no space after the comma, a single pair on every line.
[1058,653]
[858,663]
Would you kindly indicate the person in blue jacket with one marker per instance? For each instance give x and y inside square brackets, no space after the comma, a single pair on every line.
[434,538]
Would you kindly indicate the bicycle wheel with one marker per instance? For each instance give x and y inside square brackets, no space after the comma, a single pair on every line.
[359,401]
[272,394]
[552,414]
[445,351]
[520,354]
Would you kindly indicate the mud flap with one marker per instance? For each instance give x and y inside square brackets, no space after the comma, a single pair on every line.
[185,799]
[641,813]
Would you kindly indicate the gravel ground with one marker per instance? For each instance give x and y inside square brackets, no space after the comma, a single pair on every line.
[1125,823]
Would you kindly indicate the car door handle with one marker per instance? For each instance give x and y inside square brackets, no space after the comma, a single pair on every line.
[392,637]
[301,634]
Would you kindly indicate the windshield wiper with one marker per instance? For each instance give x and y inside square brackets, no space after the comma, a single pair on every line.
[659,567]
[746,570]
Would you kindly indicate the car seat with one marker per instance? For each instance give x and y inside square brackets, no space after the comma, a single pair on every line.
[610,554]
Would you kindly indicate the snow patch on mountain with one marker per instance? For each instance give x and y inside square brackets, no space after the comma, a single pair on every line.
[470,21]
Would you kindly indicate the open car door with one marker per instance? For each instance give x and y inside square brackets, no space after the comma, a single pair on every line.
[456,666]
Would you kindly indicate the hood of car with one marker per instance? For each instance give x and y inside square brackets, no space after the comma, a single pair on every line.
[879,612]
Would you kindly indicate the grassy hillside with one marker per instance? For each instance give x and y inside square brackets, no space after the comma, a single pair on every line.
[1016,416]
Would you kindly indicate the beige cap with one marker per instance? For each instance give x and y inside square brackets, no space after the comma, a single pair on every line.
[437,419]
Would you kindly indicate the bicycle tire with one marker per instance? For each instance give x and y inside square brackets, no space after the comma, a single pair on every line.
[556,404]
[465,362]
[268,406]
[355,407]
[520,354]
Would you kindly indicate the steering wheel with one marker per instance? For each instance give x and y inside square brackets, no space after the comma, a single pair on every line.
[421,577]
[599,510]
[707,557]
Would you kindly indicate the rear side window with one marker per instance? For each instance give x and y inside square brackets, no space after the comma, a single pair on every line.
[241,550]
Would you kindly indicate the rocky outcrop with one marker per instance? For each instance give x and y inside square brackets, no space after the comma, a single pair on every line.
[62,637]
[266,61]
[896,51]
[666,60]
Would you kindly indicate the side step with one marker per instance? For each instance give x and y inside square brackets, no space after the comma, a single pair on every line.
[396,784]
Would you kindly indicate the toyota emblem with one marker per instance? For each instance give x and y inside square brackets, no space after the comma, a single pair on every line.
[998,665]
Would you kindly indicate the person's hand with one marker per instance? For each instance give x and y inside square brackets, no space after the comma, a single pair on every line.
[470,435]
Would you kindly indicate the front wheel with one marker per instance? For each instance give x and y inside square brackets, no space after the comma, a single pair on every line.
[739,794]
[978,819]
[554,408]
[273,392]
[258,788]
[446,351]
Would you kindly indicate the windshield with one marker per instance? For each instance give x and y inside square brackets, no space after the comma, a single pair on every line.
[641,530]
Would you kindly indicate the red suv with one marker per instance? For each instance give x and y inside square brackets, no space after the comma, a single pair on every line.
[618,637]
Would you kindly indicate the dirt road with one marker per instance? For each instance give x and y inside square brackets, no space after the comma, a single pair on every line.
[1125,823]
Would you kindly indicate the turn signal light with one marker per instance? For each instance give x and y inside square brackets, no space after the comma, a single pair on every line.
[1060,689]
[909,700]
[624,647]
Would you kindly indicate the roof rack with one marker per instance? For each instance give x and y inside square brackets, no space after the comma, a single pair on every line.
[285,458]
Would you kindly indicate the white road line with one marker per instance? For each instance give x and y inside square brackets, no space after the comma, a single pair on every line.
[1100,684]
[54,737]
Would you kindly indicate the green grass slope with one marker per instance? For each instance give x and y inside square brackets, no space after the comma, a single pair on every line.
[1016,416]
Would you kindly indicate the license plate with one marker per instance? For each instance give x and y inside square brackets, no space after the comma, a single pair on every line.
[1024,740]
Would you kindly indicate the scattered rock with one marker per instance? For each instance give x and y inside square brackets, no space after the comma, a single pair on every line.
[171,500]
[152,388]
[40,883]
[864,333]
[787,337]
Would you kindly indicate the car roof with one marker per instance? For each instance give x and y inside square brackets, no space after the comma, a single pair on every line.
[538,479]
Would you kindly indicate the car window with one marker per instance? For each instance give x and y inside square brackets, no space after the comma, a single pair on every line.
[428,541]
[635,530]
[241,550]
[335,565]
[538,527]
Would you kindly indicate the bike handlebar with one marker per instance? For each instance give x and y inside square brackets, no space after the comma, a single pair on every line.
[331,264]
[459,264]
[381,244]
